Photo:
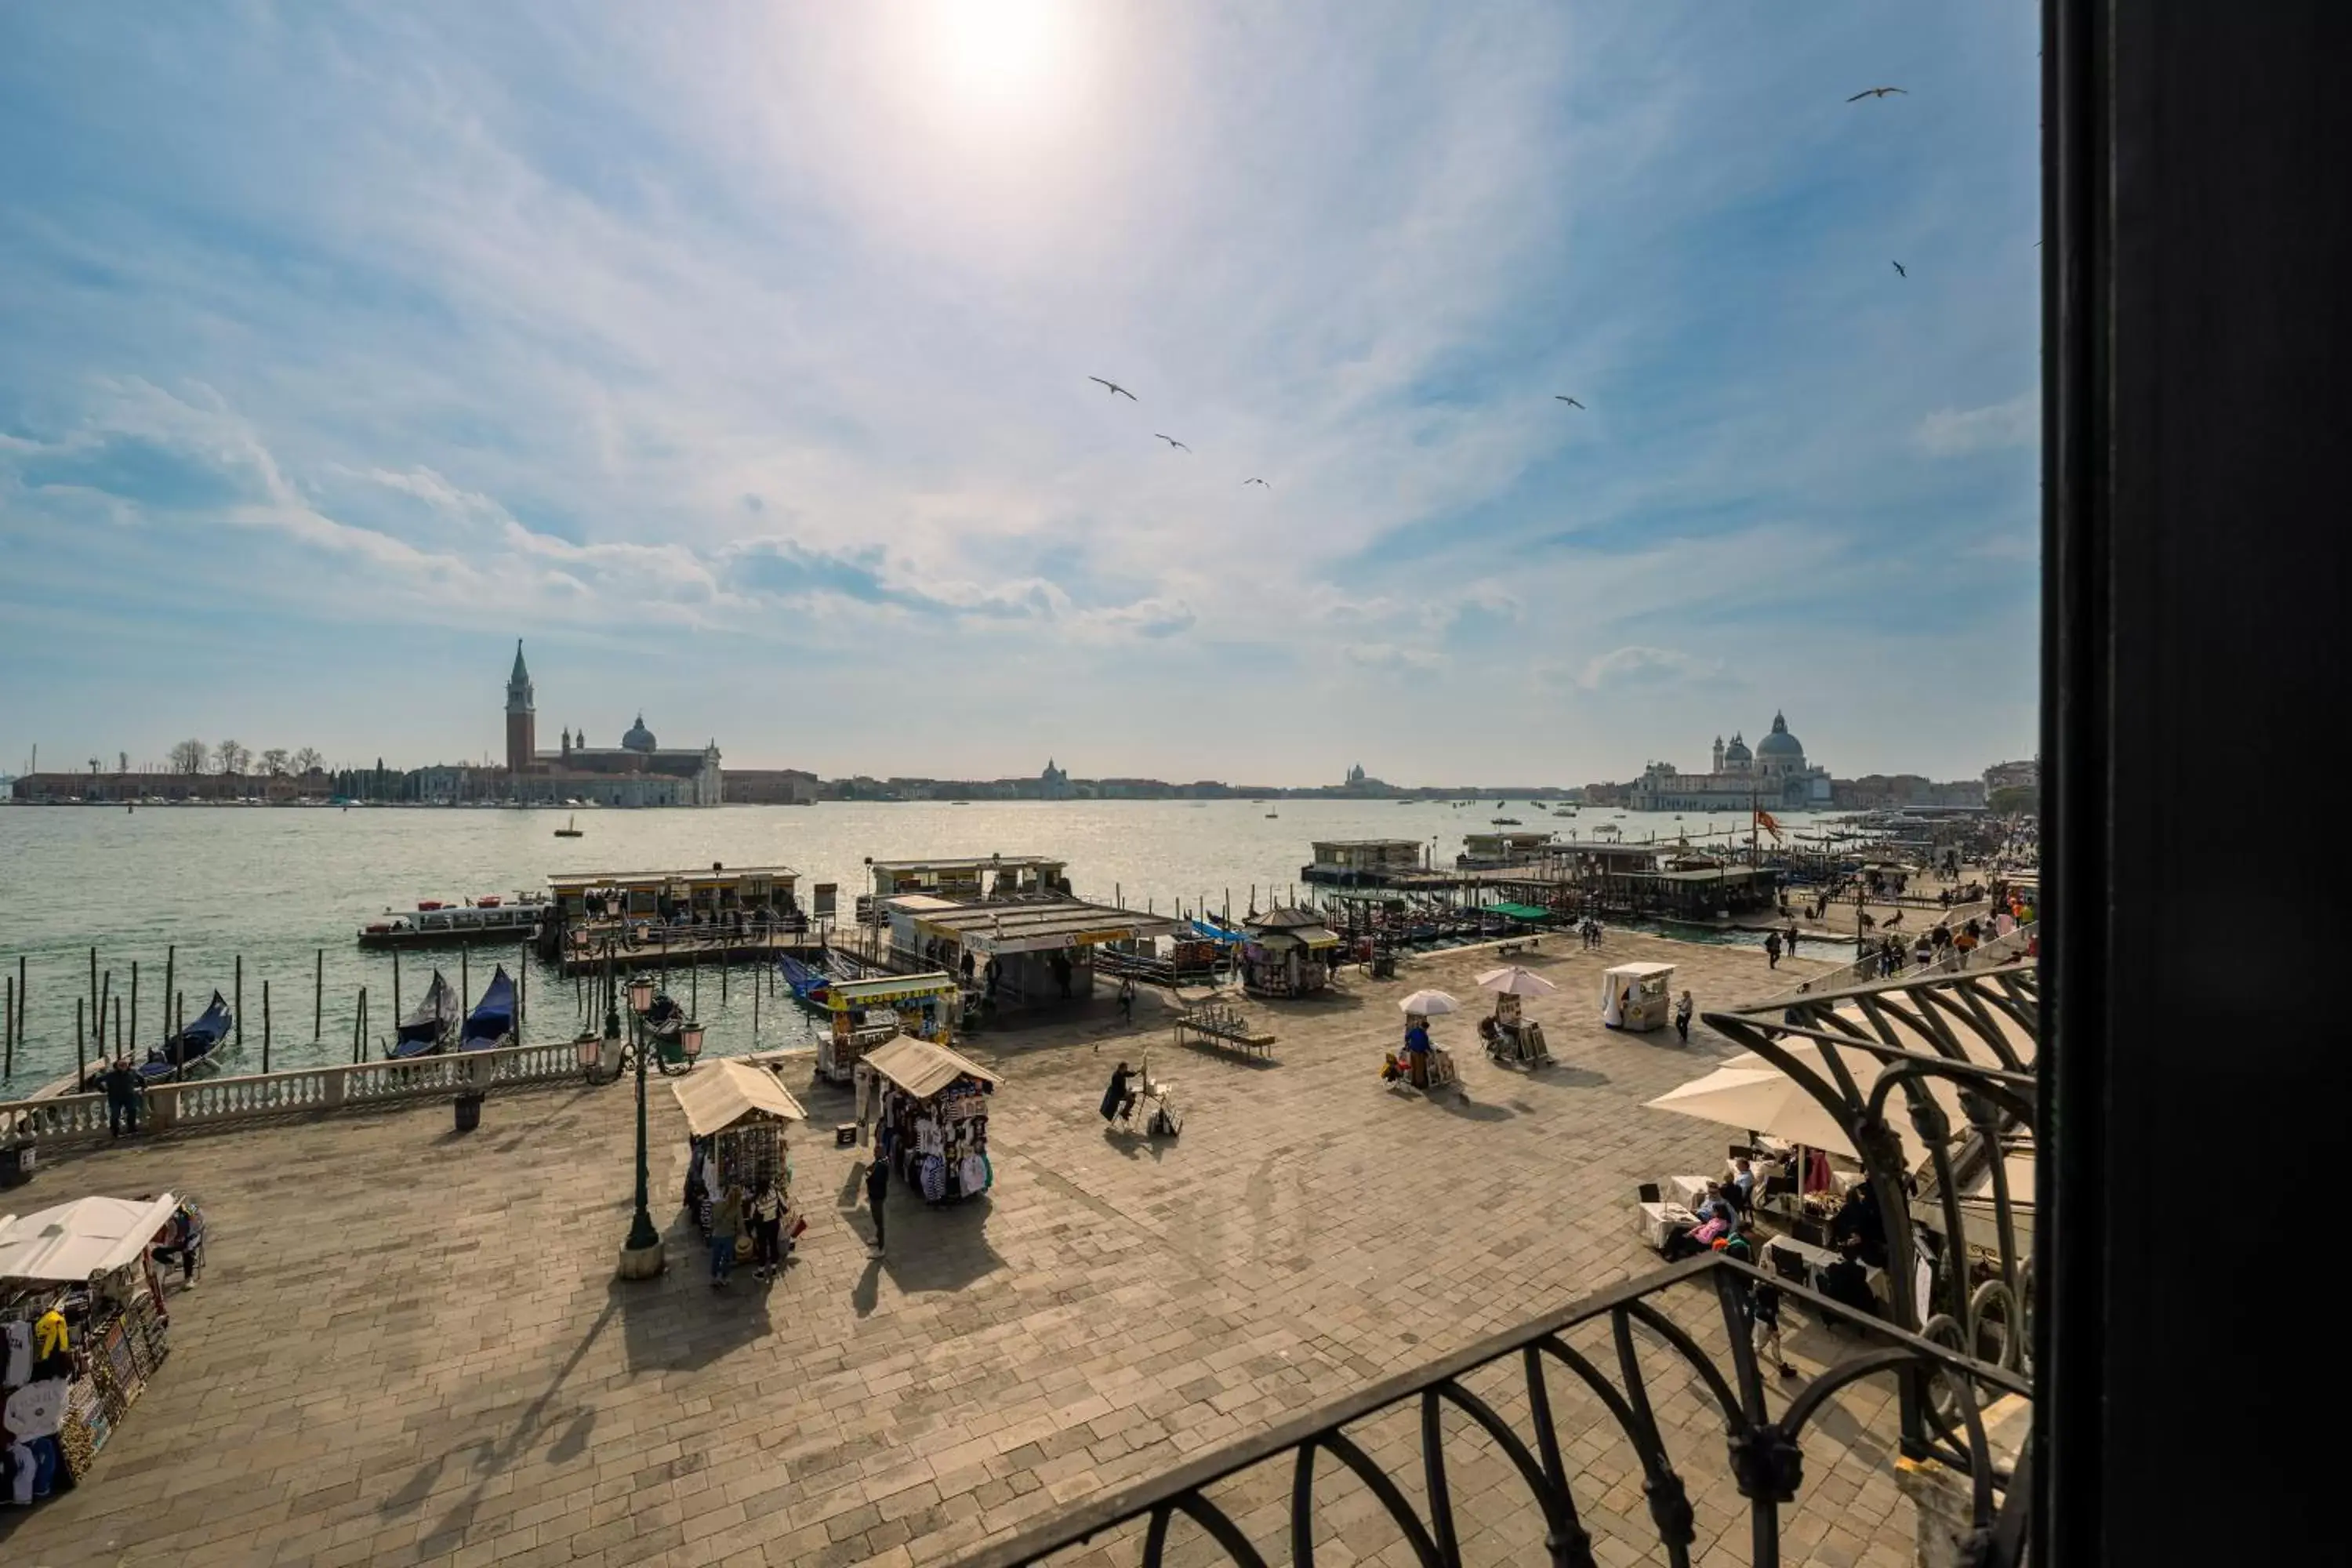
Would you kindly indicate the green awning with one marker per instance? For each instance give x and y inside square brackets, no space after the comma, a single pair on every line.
[1521,911]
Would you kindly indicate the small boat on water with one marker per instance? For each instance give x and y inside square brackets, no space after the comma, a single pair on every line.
[811,987]
[192,1051]
[570,828]
[426,1031]
[1271,814]
[491,1023]
[1507,822]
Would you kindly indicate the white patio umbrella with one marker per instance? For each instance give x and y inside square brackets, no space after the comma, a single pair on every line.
[1757,1100]
[1428,1004]
[1512,981]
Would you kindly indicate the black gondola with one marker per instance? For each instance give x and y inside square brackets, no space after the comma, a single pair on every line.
[491,1023]
[426,1031]
[191,1050]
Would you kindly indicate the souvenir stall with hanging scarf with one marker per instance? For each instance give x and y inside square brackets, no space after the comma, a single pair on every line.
[82,1328]
[738,1122]
[934,1105]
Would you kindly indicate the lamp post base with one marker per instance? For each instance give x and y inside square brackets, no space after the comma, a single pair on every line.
[641,1262]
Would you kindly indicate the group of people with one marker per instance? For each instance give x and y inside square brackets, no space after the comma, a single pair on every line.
[766,1216]
[1777,942]
[1590,930]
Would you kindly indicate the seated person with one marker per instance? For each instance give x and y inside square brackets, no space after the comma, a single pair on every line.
[1416,1053]
[1858,1220]
[1847,1281]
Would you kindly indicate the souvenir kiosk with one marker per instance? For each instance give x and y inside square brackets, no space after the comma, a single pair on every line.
[934,1104]
[82,1328]
[865,1013]
[738,1122]
[1290,953]
[1638,996]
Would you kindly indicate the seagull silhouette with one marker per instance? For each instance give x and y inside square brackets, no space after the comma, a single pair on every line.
[1898,269]
[1173,442]
[1878,92]
[1571,401]
[1246,483]
[1114,386]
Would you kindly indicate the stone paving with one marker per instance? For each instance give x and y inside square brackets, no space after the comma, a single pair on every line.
[409,1346]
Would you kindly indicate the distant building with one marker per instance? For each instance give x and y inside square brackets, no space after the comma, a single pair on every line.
[2013,775]
[1355,775]
[1775,775]
[637,772]
[1054,783]
[1874,792]
[772,787]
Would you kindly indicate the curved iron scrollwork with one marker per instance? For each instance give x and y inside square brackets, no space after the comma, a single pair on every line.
[1763,1454]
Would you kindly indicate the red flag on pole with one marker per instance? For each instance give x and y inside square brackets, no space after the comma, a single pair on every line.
[1764,820]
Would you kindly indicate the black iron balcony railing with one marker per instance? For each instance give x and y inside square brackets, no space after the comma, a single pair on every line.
[1414,1488]
[1949,1341]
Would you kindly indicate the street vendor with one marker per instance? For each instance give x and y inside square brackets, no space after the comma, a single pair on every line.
[1417,1050]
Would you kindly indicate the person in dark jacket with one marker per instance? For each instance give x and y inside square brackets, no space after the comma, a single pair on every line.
[121,1082]
[877,1189]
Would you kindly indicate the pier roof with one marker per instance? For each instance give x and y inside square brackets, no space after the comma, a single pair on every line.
[1038,924]
[970,863]
[703,876]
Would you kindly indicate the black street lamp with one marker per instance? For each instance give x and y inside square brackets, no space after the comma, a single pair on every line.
[641,1254]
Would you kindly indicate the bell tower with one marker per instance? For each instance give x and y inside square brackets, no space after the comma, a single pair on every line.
[521,723]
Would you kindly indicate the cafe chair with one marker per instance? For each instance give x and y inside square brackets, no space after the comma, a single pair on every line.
[1647,1192]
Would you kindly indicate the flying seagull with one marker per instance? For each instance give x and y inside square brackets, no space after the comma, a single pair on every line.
[1878,92]
[1246,483]
[1898,269]
[1114,386]
[1173,442]
[1571,401]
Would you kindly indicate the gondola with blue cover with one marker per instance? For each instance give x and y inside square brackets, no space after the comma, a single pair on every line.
[426,1031]
[191,1052]
[491,1023]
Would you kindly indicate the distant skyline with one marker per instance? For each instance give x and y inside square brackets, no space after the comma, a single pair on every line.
[739,358]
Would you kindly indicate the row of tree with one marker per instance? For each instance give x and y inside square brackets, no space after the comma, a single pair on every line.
[231,757]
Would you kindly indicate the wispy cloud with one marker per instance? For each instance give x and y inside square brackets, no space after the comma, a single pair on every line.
[2000,427]
[1635,666]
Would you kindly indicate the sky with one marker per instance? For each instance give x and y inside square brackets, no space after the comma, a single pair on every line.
[737,358]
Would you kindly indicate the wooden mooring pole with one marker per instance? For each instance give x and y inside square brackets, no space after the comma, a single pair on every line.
[105,994]
[396,988]
[522,989]
[237,1003]
[265,1026]
[9,1031]
[119,1048]
[82,1057]
[318,997]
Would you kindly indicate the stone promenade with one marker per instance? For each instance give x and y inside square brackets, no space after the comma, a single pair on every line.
[409,1347]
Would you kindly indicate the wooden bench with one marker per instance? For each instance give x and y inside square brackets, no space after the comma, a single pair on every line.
[1234,1033]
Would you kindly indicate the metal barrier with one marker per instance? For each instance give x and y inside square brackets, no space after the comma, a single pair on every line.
[71,1119]
[1231,1496]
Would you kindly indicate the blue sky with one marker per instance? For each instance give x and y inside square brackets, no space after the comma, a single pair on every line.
[735,357]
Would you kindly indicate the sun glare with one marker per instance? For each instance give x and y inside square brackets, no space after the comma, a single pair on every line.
[999,51]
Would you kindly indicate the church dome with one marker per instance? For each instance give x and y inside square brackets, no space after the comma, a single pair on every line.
[1736,752]
[639,738]
[1780,742]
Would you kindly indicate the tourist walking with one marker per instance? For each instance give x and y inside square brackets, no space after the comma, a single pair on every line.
[1683,1010]
[726,1220]
[1126,1000]
[877,1190]
[968,964]
[1773,949]
[767,1232]
[1791,942]
[1762,1302]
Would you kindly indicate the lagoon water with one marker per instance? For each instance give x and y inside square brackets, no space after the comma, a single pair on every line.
[276,886]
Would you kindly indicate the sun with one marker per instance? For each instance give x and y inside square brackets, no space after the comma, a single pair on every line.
[998,51]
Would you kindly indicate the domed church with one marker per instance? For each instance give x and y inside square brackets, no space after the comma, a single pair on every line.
[1775,775]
